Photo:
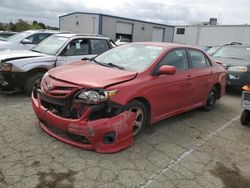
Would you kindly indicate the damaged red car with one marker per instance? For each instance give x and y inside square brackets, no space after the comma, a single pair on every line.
[102,103]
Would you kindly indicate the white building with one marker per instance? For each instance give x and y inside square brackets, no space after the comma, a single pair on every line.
[211,35]
[116,27]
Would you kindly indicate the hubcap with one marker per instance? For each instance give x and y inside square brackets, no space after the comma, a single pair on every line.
[211,98]
[138,121]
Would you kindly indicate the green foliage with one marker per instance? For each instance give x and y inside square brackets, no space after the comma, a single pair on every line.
[22,25]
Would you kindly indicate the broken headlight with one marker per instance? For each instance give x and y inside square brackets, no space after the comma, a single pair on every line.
[5,67]
[95,96]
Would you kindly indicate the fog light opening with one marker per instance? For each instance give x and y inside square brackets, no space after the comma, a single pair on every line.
[5,84]
[109,138]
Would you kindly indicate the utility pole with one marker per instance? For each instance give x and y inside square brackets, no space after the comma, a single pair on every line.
[94,18]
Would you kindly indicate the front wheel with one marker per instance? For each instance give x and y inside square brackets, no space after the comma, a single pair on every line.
[31,81]
[141,115]
[245,117]
[211,100]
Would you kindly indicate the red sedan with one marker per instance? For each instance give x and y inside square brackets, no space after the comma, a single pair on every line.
[102,103]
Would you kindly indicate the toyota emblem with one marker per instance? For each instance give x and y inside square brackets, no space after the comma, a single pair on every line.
[49,86]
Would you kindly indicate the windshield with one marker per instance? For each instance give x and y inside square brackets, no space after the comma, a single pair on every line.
[134,57]
[212,50]
[18,36]
[50,45]
[237,52]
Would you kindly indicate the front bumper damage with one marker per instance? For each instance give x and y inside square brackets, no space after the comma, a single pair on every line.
[104,135]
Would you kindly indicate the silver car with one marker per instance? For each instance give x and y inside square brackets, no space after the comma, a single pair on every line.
[25,40]
[22,69]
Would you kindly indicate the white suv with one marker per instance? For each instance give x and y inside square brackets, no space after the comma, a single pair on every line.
[25,40]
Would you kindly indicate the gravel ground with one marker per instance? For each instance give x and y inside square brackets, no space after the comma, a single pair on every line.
[195,149]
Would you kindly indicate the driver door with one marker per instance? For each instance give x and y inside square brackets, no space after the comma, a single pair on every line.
[173,92]
[75,51]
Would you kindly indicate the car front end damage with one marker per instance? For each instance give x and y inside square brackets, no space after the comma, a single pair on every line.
[104,126]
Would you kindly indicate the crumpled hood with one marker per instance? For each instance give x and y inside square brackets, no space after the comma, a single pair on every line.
[232,62]
[24,60]
[8,55]
[90,74]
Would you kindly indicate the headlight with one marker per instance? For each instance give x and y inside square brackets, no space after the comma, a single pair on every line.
[95,96]
[238,69]
[5,67]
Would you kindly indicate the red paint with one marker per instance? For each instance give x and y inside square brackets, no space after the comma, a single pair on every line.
[92,130]
[166,94]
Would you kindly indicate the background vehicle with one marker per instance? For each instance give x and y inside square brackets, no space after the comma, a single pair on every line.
[21,69]
[152,80]
[122,41]
[245,103]
[236,59]
[6,34]
[25,40]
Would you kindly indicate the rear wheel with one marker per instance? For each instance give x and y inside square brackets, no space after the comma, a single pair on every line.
[245,117]
[141,115]
[31,81]
[211,100]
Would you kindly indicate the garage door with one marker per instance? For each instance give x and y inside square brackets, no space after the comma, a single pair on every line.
[124,28]
[157,34]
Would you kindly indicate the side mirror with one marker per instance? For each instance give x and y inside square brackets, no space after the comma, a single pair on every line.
[166,70]
[26,41]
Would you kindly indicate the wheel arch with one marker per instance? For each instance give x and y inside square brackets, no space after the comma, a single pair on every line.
[218,89]
[147,105]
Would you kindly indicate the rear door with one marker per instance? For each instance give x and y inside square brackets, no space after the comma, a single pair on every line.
[203,75]
[98,46]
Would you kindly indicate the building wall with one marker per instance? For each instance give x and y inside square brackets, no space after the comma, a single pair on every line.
[141,31]
[87,23]
[213,35]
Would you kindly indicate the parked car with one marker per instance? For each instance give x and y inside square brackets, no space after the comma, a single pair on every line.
[2,39]
[26,40]
[21,69]
[6,34]
[212,50]
[122,41]
[236,59]
[101,103]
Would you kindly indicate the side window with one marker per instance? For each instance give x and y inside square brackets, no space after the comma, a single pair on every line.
[77,47]
[198,59]
[177,58]
[99,46]
[37,38]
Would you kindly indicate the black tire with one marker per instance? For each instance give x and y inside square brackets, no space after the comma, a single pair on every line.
[31,81]
[142,118]
[211,100]
[245,117]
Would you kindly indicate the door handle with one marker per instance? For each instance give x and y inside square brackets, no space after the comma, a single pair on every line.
[189,76]
[211,72]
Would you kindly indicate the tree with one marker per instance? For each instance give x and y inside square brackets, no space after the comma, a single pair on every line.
[42,25]
[22,25]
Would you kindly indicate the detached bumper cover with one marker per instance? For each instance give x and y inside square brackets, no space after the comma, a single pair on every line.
[94,131]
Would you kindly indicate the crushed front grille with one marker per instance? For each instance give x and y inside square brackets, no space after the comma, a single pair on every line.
[68,136]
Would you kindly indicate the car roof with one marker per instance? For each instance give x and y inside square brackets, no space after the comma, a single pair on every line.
[167,45]
[73,35]
[45,31]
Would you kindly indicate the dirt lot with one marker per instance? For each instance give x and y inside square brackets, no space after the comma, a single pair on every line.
[195,149]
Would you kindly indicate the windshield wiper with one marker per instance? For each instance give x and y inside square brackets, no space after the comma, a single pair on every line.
[114,65]
[107,64]
[99,63]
